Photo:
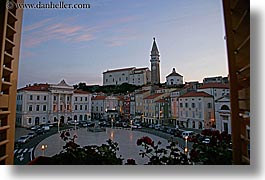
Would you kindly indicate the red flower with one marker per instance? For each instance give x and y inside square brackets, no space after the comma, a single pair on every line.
[145,140]
[139,142]
[67,134]
[131,162]
[62,135]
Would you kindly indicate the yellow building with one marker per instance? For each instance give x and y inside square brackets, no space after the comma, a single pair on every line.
[10,35]
[139,101]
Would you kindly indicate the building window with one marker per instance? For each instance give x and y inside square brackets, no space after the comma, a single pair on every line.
[225,118]
[44,108]
[76,107]
[54,107]
[186,105]
[38,98]
[44,98]
[81,99]
[54,98]
[85,98]
[81,107]
[30,97]
[29,121]
[61,107]
[110,75]
[68,98]
[75,98]
[193,105]
[38,108]
[30,107]
[209,105]
[85,107]
[180,105]
[106,80]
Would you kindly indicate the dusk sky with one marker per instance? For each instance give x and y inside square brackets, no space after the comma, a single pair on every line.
[78,45]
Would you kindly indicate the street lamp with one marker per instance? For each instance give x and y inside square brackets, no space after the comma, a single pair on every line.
[112,123]
[43,148]
[75,124]
[58,126]
[186,150]
[131,122]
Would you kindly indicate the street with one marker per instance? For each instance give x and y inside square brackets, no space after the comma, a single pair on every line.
[24,153]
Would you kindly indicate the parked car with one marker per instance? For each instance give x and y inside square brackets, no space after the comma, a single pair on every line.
[187,134]
[23,139]
[46,128]
[31,135]
[206,141]
[34,128]
[151,126]
[157,126]
[40,131]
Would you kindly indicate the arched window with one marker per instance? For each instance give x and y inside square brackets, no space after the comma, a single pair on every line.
[225,107]
[200,125]
[80,117]
[37,120]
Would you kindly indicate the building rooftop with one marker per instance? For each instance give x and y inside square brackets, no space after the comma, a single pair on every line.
[35,87]
[119,70]
[214,85]
[161,101]
[153,96]
[77,91]
[196,94]
[174,73]
[99,98]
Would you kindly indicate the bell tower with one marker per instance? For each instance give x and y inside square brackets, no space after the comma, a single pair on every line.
[155,64]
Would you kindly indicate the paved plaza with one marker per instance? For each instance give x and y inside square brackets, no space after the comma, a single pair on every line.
[125,138]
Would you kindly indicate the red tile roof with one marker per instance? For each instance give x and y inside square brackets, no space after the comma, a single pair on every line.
[77,91]
[141,92]
[37,87]
[161,101]
[153,96]
[196,94]
[99,98]
[119,70]
[214,85]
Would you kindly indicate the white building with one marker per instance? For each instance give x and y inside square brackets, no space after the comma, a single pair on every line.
[98,108]
[217,90]
[134,76]
[174,78]
[50,103]
[223,114]
[216,79]
[196,110]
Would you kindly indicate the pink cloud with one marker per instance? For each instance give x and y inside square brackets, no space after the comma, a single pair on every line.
[37,25]
[50,29]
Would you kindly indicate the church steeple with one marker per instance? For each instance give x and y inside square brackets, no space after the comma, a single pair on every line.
[154,48]
[155,64]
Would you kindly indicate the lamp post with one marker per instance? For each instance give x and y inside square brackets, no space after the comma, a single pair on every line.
[58,126]
[186,150]
[131,123]
[112,123]
[43,148]
[75,124]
